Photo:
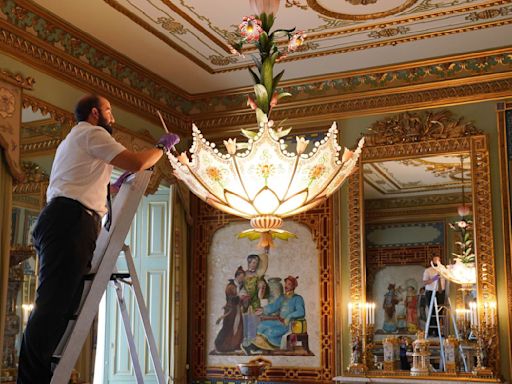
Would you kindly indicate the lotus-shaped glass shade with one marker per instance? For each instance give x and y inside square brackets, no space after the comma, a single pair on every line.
[265,183]
[458,272]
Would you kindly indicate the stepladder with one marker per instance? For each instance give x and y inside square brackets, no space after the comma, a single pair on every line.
[441,312]
[103,272]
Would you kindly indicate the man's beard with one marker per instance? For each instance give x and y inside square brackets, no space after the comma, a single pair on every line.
[102,122]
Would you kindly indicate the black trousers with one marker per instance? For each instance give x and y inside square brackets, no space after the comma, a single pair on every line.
[65,238]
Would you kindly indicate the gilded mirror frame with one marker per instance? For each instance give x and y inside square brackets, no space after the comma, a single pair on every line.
[418,134]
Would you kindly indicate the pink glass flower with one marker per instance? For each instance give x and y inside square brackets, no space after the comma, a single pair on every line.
[463,210]
[250,28]
[264,6]
[296,41]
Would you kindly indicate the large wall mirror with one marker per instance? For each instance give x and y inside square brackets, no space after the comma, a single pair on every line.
[422,194]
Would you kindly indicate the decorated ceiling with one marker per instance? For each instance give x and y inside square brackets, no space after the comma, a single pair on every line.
[174,38]
[422,176]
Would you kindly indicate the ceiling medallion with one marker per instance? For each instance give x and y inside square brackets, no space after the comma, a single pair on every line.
[352,10]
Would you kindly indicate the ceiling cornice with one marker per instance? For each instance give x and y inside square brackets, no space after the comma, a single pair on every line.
[66,55]
[318,111]
[48,43]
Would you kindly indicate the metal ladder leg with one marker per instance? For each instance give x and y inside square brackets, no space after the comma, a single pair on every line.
[143,311]
[456,330]
[128,330]
[442,365]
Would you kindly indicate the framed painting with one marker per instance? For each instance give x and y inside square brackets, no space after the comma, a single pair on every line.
[247,303]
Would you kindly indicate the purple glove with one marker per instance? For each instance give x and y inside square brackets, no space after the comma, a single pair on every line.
[435,278]
[168,141]
[117,184]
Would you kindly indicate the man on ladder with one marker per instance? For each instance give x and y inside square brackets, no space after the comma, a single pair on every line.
[434,284]
[67,228]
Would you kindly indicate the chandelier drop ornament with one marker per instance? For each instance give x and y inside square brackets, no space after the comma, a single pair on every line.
[260,179]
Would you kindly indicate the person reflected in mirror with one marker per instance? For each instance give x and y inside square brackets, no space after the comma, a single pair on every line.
[422,308]
[67,228]
[391,299]
[434,284]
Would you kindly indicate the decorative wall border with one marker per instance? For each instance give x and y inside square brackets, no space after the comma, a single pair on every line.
[135,88]
[350,105]
[207,221]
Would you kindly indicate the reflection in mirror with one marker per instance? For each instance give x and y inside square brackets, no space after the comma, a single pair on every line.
[412,211]
[421,195]
[40,134]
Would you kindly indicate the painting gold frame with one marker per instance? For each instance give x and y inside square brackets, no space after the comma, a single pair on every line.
[207,221]
[431,134]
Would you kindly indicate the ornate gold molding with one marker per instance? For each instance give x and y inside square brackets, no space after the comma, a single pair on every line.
[114,4]
[17,79]
[60,64]
[477,147]
[504,122]
[344,106]
[411,127]
[313,4]
[56,113]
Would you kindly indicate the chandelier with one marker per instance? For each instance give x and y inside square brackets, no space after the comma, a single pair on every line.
[259,179]
[463,270]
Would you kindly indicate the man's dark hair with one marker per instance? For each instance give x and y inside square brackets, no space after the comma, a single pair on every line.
[85,105]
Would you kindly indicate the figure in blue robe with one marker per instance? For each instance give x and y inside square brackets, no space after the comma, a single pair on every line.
[276,318]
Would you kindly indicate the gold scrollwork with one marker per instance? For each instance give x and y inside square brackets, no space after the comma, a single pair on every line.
[296,3]
[410,127]
[222,60]
[171,25]
[313,4]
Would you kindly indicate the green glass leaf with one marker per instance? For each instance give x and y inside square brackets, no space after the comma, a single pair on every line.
[249,134]
[261,96]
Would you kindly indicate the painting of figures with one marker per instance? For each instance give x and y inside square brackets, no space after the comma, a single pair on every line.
[399,294]
[263,304]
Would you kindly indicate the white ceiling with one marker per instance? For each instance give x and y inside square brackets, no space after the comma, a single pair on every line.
[185,41]
[415,177]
